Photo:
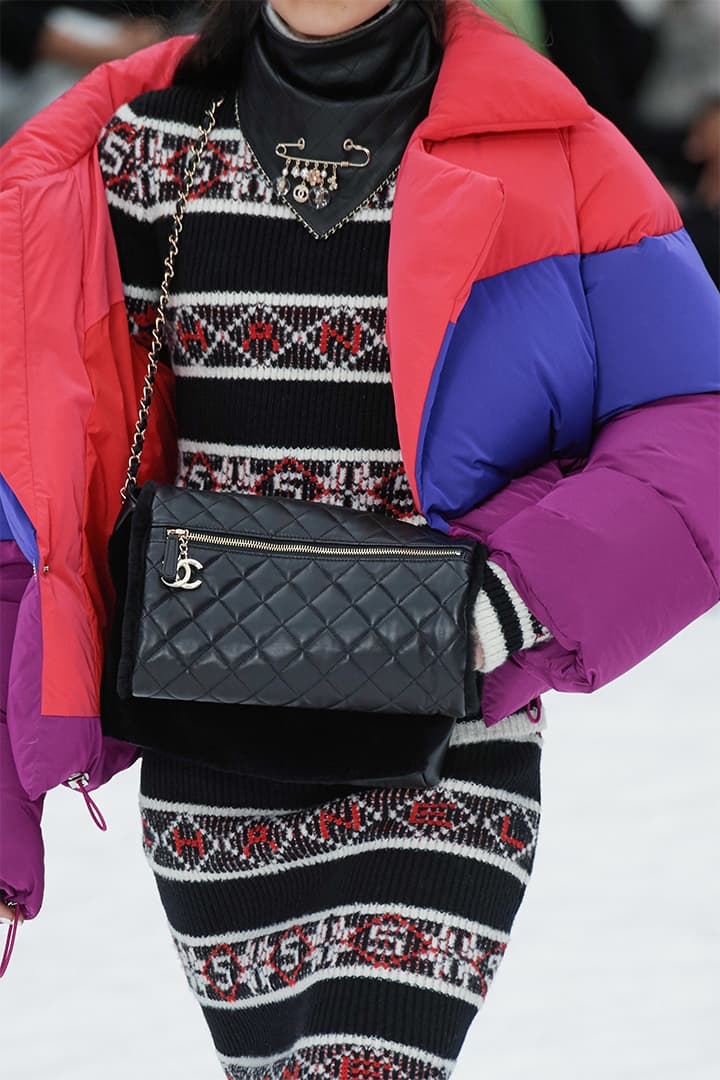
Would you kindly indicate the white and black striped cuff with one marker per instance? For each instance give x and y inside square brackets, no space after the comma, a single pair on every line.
[503,622]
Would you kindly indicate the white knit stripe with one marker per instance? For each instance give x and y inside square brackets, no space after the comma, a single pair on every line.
[217,298]
[371,1042]
[407,911]
[518,604]
[517,727]
[209,205]
[489,628]
[447,783]
[471,788]
[327,938]
[406,978]
[306,453]
[287,374]
[489,633]
[150,803]
[139,292]
[420,843]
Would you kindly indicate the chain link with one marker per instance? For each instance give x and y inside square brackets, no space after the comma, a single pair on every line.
[138,442]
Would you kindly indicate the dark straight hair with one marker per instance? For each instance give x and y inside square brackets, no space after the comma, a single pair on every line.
[225,27]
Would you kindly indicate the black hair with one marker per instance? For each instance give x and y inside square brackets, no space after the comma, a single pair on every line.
[227,24]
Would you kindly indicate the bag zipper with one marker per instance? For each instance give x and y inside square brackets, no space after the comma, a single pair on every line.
[177,562]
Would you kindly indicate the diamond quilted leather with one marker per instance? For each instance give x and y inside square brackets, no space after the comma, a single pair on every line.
[383,628]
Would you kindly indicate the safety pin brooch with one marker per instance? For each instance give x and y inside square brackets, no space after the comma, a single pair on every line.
[314,183]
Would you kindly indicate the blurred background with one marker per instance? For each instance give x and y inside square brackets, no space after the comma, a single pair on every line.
[651,66]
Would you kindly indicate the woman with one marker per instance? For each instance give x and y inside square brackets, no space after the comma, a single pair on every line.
[552,340]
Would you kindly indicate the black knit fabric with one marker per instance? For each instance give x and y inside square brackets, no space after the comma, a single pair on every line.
[332,934]
[256,293]
[342,934]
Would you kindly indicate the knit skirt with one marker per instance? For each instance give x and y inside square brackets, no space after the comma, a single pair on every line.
[337,933]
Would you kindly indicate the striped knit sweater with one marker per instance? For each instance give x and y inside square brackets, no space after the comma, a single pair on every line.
[276,338]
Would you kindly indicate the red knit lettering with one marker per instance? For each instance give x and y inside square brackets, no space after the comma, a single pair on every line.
[182,842]
[261,331]
[198,335]
[505,835]
[326,818]
[431,813]
[329,331]
[258,834]
[362,1068]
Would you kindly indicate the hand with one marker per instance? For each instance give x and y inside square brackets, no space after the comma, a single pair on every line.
[8,912]
[479,656]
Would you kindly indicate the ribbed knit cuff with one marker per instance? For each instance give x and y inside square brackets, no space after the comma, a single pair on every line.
[503,622]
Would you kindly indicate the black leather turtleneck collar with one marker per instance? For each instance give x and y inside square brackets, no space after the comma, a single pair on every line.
[372,84]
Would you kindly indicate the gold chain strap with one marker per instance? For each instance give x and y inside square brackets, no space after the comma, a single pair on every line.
[138,442]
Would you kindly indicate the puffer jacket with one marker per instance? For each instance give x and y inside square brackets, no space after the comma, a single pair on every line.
[553,339]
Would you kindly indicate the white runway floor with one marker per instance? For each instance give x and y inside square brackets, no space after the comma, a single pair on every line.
[614,964]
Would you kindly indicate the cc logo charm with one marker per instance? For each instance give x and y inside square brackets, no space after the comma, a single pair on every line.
[183,574]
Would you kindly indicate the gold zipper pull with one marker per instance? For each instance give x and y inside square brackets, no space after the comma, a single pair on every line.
[172,554]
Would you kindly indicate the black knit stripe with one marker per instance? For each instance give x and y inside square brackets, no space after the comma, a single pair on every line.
[232,253]
[179,104]
[434,1023]
[509,766]
[288,413]
[541,632]
[504,610]
[421,879]
[139,253]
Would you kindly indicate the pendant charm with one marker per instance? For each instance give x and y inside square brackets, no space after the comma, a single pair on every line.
[182,580]
[282,184]
[319,197]
[315,185]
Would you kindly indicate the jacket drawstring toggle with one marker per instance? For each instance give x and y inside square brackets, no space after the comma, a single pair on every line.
[78,782]
[10,940]
[534,714]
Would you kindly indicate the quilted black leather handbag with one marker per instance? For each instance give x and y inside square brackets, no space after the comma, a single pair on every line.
[284,638]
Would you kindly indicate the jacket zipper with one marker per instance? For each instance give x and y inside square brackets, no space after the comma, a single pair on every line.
[176,558]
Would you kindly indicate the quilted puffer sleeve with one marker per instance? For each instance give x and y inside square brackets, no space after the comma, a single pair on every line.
[616,558]
[21,845]
[619,555]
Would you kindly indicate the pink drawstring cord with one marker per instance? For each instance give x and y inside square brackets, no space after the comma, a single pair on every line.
[79,782]
[10,942]
[94,811]
[533,715]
